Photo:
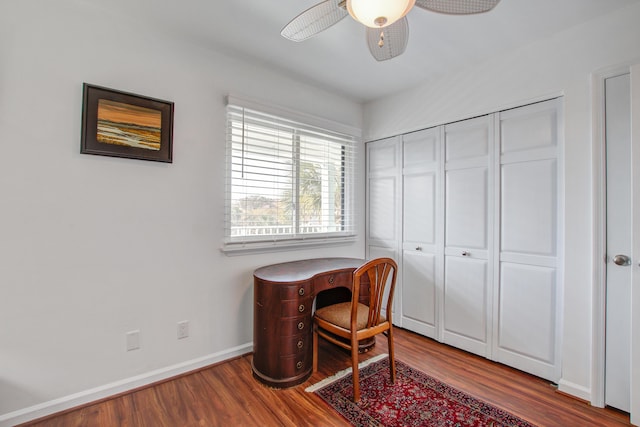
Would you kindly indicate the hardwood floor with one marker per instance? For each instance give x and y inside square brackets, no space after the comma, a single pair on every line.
[227,395]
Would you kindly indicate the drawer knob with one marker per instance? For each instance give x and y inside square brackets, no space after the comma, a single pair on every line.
[301,291]
[300,344]
[299,365]
[301,325]
[301,308]
[331,279]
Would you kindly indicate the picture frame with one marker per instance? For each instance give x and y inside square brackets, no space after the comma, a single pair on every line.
[121,124]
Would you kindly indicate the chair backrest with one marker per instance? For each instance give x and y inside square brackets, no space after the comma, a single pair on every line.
[381,274]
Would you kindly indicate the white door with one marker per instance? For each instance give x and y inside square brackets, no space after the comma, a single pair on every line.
[526,334]
[467,293]
[384,188]
[618,248]
[635,273]
[422,231]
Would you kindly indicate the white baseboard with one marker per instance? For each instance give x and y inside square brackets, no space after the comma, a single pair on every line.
[575,390]
[104,391]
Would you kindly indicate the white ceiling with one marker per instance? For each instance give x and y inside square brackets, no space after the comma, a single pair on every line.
[338,59]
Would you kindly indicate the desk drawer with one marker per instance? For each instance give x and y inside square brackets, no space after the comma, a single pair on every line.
[295,291]
[296,307]
[328,281]
[296,326]
[294,345]
[295,364]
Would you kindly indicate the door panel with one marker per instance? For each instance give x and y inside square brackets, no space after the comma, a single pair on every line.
[468,139]
[419,208]
[382,217]
[466,208]
[421,149]
[419,292]
[383,193]
[529,207]
[465,304]
[618,311]
[635,275]
[421,241]
[467,272]
[383,202]
[382,156]
[527,331]
[525,292]
[524,132]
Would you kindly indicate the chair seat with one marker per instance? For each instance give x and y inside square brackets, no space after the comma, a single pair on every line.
[340,315]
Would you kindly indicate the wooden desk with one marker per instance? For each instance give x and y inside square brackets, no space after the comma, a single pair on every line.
[282,323]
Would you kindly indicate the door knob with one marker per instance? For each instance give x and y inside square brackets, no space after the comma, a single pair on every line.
[621,260]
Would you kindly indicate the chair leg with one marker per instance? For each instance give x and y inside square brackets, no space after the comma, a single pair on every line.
[392,360]
[356,373]
[315,348]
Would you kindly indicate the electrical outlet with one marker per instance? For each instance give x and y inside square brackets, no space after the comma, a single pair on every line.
[133,340]
[183,329]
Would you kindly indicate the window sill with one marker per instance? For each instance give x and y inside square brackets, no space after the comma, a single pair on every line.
[245,248]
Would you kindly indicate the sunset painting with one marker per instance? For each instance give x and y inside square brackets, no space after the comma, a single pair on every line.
[128,125]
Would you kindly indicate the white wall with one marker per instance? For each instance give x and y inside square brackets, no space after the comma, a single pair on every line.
[92,247]
[561,65]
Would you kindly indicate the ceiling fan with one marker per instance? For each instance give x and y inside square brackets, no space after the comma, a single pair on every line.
[387,26]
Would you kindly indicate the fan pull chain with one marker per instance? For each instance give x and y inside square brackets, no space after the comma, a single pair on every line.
[381,41]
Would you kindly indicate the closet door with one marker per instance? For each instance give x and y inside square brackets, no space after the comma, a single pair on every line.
[383,216]
[422,231]
[468,235]
[527,303]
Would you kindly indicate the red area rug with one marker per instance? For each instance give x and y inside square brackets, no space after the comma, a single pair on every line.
[415,399]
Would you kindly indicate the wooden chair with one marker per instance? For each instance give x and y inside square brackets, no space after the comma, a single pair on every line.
[347,323]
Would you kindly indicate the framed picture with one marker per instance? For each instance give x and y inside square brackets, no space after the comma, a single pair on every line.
[121,124]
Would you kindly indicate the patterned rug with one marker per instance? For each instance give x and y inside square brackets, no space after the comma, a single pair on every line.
[415,399]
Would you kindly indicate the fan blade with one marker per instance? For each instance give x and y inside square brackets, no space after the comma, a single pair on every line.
[457,7]
[388,42]
[314,20]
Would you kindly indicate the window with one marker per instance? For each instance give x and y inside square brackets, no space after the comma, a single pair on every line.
[288,183]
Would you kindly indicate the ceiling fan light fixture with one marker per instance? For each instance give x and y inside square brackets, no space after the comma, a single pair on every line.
[378,13]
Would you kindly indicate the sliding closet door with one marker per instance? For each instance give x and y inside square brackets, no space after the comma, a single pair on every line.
[527,304]
[384,187]
[471,212]
[422,231]
[468,235]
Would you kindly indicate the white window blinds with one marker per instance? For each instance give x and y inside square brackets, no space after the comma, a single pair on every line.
[287,182]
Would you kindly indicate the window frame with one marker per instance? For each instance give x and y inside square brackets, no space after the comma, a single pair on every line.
[350,139]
